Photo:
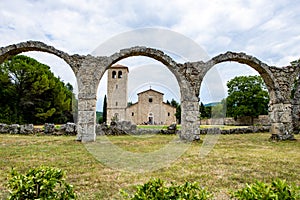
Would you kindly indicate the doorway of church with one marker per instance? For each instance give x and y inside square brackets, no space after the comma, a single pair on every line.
[150,119]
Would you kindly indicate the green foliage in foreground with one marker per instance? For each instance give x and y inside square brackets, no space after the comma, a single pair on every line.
[40,183]
[157,189]
[278,189]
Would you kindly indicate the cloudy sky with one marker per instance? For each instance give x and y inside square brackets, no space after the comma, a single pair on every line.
[266,29]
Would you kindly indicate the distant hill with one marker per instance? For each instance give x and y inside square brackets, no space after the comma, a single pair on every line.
[211,104]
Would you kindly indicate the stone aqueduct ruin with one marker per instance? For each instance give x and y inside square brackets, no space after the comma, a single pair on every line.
[283,111]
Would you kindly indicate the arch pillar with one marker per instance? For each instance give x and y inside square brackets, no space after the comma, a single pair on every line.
[296,109]
[281,118]
[88,80]
[190,81]
[296,103]
[190,123]
[86,117]
[280,109]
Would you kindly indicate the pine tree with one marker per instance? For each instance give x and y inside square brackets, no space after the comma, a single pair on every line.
[104,110]
[33,94]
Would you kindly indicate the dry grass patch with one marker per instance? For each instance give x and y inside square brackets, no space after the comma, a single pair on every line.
[234,161]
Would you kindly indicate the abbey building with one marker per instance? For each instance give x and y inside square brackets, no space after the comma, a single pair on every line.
[149,109]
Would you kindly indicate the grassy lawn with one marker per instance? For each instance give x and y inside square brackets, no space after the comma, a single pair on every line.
[222,127]
[234,161]
[159,127]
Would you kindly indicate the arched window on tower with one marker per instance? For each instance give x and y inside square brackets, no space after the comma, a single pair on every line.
[114,74]
[120,74]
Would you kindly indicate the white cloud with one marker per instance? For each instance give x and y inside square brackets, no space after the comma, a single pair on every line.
[267,29]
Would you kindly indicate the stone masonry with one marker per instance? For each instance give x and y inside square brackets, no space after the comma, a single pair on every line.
[89,71]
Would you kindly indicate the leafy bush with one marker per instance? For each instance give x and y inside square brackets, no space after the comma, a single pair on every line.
[278,189]
[40,183]
[156,189]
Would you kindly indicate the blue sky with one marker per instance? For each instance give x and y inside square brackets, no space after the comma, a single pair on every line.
[266,29]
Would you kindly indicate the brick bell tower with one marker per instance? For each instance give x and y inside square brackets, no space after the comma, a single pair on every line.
[117,81]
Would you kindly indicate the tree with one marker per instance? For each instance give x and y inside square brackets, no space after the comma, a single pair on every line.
[104,117]
[6,105]
[247,96]
[176,105]
[205,111]
[219,110]
[32,94]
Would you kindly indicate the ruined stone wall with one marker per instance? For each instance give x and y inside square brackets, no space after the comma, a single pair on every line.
[296,107]
[262,120]
[89,70]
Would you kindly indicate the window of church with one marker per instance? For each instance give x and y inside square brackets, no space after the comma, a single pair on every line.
[168,114]
[132,114]
[116,103]
[150,100]
[120,74]
[114,74]
[117,86]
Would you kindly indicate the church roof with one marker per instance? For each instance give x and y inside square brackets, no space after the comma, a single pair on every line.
[150,90]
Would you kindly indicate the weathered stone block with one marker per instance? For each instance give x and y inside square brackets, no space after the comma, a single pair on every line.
[277,128]
[86,117]
[14,128]
[87,104]
[88,132]
[49,128]
[26,129]
[4,128]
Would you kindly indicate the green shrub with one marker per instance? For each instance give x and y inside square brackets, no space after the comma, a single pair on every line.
[156,189]
[277,190]
[40,183]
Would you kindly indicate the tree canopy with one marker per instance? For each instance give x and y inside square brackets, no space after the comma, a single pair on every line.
[205,111]
[30,93]
[247,96]
[176,105]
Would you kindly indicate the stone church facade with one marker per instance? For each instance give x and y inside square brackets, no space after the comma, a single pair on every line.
[150,108]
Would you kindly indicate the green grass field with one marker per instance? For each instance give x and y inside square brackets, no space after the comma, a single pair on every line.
[179,126]
[234,161]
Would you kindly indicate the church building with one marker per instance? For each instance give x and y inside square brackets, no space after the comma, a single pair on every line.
[150,108]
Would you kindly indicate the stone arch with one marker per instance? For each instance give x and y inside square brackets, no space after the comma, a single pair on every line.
[279,105]
[184,74]
[189,100]
[89,70]
[11,50]
[74,61]
[147,52]
[262,68]
[160,56]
